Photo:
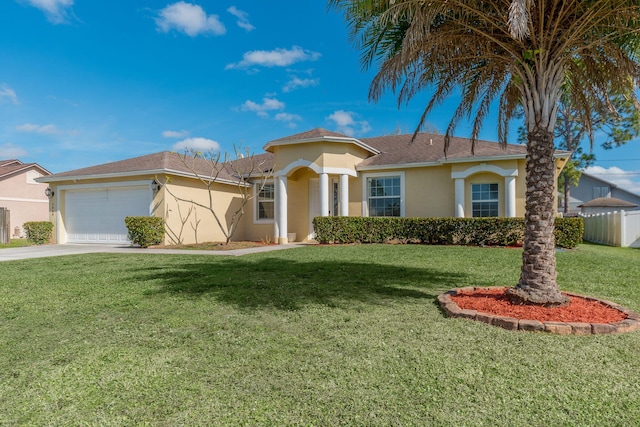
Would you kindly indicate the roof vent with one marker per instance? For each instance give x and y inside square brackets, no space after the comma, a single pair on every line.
[430,141]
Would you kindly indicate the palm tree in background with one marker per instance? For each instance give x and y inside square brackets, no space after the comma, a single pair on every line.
[522,53]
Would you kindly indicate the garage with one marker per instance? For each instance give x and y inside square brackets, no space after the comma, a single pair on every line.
[97,215]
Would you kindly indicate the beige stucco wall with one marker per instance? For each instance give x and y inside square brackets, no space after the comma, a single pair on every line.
[429,192]
[181,198]
[25,200]
[250,228]
[323,154]
[198,220]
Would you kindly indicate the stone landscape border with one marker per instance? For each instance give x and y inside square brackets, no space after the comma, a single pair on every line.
[631,323]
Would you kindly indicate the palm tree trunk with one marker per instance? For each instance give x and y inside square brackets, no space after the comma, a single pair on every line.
[567,194]
[537,283]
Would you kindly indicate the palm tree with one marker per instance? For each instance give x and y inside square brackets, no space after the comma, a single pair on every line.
[582,47]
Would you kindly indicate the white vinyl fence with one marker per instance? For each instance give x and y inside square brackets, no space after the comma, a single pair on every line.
[613,228]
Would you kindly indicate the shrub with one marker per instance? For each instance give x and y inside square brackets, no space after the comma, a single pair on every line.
[569,232]
[439,231]
[38,232]
[145,231]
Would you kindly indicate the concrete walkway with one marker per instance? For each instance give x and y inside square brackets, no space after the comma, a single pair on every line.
[10,254]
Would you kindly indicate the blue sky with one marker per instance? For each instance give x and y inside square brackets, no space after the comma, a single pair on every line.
[84,82]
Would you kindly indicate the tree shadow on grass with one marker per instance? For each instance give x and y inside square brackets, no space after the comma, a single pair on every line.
[290,285]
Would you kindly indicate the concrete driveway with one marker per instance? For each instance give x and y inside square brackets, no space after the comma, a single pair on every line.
[10,254]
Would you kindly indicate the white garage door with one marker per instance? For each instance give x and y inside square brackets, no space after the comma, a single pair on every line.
[97,215]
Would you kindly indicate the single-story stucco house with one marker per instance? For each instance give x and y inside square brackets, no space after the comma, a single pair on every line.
[22,195]
[314,173]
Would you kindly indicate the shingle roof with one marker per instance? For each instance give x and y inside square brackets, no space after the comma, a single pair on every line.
[394,150]
[608,202]
[317,133]
[8,162]
[9,167]
[164,162]
[429,148]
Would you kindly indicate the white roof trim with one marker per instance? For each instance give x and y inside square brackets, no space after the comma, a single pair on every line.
[338,139]
[129,174]
[443,161]
[484,167]
[398,166]
[25,167]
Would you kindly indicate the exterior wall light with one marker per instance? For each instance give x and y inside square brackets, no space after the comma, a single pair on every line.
[49,192]
[155,186]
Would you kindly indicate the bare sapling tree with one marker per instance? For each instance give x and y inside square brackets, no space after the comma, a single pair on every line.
[176,235]
[194,225]
[213,168]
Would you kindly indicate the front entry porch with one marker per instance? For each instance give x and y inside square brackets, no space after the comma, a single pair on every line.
[305,186]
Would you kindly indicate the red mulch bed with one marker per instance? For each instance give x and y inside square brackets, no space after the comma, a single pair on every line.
[494,301]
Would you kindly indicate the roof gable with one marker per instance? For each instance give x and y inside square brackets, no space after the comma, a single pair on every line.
[319,135]
[599,180]
[12,167]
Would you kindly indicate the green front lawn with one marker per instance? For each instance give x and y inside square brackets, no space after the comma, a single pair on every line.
[326,336]
[15,243]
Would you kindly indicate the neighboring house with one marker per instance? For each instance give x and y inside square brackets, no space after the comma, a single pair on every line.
[315,173]
[22,195]
[606,204]
[591,187]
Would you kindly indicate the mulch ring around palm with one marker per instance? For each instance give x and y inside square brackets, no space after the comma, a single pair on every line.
[582,316]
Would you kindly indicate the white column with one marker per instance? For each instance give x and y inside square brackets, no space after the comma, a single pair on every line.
[276,210]
[510,196]
[281,209]
[459,196]
[324,194]
[344,195]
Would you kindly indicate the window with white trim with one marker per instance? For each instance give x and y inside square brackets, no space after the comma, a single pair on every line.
[265,203]
[484,200]
[336,198]
[384,195]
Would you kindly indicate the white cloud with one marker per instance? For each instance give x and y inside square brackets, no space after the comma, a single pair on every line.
[196,144]
[7,92]
[175,134]
[268,104]
[10,151]
[288,118]
[615,175]
[57,11]
[296,82]
[346,123]
[243,18]
[42,129]
[190,19]
[275,58]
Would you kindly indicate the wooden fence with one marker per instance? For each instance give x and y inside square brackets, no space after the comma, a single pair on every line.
[5,226]
[613,228]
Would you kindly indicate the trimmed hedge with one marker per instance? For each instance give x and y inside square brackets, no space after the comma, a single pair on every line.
[439,231]
[569,232]
[38,232]
[145,231]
